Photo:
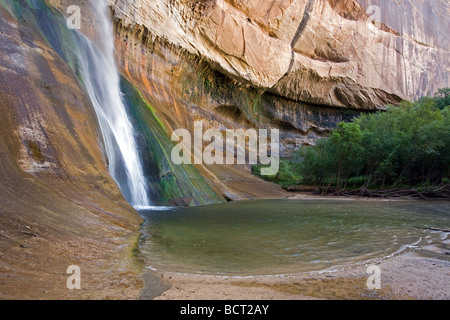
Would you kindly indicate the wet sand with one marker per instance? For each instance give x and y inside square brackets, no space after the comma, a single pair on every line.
[413,275]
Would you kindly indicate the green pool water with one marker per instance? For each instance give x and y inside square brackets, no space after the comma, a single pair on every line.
[273,237]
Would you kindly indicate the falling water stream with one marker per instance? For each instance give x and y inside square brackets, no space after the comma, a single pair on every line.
[136,143]
[102,81]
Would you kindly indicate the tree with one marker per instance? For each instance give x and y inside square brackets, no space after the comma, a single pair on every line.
[346,140]
[442,98]
[406,145]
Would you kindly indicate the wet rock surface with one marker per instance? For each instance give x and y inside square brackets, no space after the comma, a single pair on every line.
[58,204]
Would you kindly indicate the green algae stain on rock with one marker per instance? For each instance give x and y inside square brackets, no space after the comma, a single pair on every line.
[169,184]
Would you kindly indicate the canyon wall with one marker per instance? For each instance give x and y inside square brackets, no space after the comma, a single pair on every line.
[59,206]
[296,65]
[300,66]
[320,52]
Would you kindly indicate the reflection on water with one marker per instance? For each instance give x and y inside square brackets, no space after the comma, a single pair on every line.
[286,236]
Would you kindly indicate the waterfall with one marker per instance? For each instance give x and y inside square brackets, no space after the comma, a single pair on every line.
[101,78]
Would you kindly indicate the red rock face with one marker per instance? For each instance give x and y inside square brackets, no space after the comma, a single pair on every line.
[316,51]
[349,54]
[59,205]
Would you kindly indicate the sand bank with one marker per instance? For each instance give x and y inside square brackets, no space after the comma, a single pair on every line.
[420,274]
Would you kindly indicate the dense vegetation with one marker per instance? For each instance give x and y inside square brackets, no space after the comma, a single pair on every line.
[404,147]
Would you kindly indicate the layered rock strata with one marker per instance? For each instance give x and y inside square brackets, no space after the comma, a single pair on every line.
[351,54]
[59,206]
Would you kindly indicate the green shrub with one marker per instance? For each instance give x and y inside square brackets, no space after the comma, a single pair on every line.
[286,175]
[405,145]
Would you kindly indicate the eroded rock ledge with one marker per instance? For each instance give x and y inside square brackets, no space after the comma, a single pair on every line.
[323,52]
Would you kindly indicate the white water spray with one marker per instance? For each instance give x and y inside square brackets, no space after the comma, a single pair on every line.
[101,79]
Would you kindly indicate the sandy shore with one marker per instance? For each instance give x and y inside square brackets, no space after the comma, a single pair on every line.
[313,196]
[416,274]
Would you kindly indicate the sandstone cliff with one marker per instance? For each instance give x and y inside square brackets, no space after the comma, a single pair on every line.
[289,64]
[59,206]
[321,52]
[298,66]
